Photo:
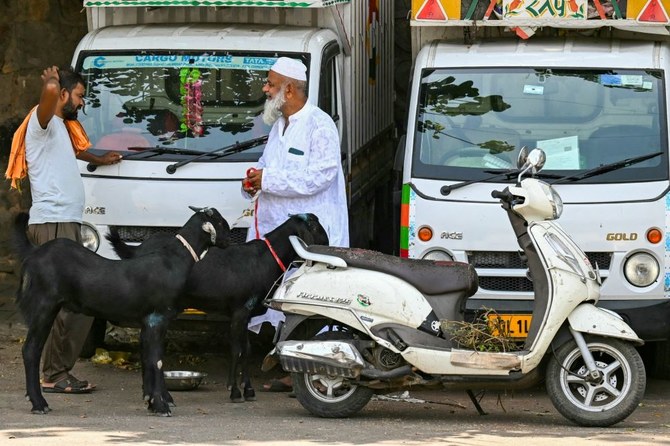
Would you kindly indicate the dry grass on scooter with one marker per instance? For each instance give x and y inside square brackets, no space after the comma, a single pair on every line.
[487,333]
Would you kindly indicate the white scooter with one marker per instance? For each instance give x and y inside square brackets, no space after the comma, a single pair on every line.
[361,322]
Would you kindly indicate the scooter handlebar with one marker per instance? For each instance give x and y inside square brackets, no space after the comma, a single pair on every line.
[502,195]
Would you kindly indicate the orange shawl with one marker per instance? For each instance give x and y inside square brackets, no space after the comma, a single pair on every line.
[17,169]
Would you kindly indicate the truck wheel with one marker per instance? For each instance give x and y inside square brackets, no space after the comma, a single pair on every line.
[329,396]
[606,401]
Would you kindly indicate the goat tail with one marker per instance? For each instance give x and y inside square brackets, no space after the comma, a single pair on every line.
[121,249]
[21,243]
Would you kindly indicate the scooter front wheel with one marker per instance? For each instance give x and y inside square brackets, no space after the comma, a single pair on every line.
[329,396]
[596,402]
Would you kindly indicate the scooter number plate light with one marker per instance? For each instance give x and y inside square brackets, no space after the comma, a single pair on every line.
[516,325]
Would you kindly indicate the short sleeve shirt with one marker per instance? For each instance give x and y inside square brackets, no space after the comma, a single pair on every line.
[55,182]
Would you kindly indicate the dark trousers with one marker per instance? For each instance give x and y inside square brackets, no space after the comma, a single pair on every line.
[69,330]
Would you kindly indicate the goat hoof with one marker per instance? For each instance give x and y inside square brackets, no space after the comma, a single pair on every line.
[237,400]
[250,398]
[249,395]
[44,411]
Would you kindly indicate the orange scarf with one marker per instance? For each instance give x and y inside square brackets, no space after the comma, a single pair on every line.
[17,169]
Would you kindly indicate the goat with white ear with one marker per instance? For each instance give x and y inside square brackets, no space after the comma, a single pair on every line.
[63,274]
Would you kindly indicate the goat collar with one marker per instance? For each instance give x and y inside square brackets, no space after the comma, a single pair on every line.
[190,249]
[274,254]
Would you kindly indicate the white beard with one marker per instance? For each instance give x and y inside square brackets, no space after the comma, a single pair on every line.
[272,108]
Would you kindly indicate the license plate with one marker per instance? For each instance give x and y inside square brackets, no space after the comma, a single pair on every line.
[515,325]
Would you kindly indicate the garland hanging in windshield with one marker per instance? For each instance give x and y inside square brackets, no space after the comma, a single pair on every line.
[191,101]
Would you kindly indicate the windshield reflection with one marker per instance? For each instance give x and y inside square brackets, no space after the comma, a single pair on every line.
[175,102]
[473,120]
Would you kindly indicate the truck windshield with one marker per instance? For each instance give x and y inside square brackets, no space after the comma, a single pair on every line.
[471,121]
[190,103]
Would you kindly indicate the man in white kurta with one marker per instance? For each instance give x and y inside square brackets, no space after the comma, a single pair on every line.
[300,170]
[302,173]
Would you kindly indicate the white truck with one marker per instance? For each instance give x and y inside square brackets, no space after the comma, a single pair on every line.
[178,90]
[593,93]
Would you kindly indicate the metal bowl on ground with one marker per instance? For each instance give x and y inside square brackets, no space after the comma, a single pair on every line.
[183,380]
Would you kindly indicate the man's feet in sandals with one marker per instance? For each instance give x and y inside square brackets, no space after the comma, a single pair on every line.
[68,385]
[279,385]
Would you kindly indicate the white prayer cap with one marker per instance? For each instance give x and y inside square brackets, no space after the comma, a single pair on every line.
[292,68]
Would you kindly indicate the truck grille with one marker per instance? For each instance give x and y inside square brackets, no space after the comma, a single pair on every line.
[138,234]
[513,260]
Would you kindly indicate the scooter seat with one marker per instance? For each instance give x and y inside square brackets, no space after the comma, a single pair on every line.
[431,277]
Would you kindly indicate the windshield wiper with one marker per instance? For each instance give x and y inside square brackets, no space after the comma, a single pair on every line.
[141,150]
[228,150]
[160,151]
[446,190]
[608,167]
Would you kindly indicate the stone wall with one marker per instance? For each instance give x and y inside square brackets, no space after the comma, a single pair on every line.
[35,34]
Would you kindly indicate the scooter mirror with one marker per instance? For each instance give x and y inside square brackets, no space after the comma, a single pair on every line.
[537,158]
[522,158]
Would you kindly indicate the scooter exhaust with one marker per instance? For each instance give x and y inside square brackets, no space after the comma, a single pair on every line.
[333,358]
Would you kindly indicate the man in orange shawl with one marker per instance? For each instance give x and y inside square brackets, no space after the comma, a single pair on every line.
[46,147]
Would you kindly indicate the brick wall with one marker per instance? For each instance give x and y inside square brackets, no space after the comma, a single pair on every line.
[35,34]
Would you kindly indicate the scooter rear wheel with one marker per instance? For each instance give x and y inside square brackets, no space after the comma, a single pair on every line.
[329,396]
[603,402]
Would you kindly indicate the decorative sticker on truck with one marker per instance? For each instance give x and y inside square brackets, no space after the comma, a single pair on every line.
[221,62]
[261,3]
[555,9]
[648,10]
[407,220]
[440,10]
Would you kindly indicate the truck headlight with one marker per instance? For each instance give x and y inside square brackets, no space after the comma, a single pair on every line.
[641,269]
[439,255]
[89,237]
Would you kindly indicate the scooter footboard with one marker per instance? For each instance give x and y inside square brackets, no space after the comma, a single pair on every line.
[587,318]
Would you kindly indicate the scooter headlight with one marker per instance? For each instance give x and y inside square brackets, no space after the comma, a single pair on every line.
[554,199]
[641,269]
[89,237]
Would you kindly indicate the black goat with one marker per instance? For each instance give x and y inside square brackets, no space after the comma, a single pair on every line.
[235,281]
[64,274]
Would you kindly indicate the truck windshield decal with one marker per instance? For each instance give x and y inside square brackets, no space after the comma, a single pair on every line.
[471,121]
[214,61]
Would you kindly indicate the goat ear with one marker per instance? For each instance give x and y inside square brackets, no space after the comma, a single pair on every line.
[208,211]
[209,228]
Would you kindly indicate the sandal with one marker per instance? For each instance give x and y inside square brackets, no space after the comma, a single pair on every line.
[77,382]
[67,386]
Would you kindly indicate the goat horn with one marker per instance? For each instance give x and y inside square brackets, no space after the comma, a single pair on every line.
[195,209]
